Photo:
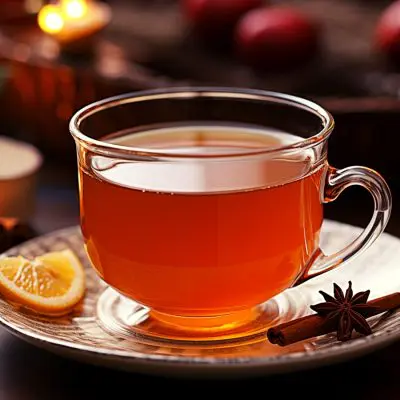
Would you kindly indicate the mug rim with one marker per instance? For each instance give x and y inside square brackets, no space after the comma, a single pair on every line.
[117,150]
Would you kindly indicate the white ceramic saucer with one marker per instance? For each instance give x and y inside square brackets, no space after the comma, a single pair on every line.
[82,337]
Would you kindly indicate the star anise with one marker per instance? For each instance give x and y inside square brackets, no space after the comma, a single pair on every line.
[346,310]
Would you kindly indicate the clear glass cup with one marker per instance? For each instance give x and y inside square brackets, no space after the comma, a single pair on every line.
[200,204]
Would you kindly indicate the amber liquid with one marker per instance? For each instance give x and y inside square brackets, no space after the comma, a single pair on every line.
[202,238]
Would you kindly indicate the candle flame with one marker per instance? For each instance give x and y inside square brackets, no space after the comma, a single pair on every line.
[50,19]
[74,9]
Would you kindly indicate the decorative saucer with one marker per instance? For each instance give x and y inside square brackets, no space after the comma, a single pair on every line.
[82,335]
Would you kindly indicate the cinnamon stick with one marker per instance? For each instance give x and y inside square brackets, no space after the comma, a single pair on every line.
[315,325]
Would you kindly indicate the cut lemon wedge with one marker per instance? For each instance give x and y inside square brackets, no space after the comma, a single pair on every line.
[51,284]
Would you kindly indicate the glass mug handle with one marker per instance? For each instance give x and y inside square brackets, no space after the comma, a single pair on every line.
[336,182]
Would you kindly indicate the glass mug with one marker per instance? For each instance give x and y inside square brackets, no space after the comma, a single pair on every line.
[200,204]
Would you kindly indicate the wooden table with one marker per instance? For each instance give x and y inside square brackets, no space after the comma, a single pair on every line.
[28,373]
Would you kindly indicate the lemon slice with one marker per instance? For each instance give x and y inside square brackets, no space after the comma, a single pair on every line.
[51,284]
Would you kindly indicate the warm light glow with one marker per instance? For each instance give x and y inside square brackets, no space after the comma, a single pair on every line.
[71,20]
[74,8]
[50,19]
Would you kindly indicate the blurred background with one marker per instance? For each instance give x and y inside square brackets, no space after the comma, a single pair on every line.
[58,56]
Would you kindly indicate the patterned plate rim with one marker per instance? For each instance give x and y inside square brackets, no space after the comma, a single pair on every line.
[335,352]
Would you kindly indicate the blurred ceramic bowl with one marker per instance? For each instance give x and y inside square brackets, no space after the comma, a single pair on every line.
[19,166]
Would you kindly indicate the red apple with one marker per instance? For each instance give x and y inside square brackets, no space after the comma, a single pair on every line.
[272,37]
[216,18]
[387,34]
